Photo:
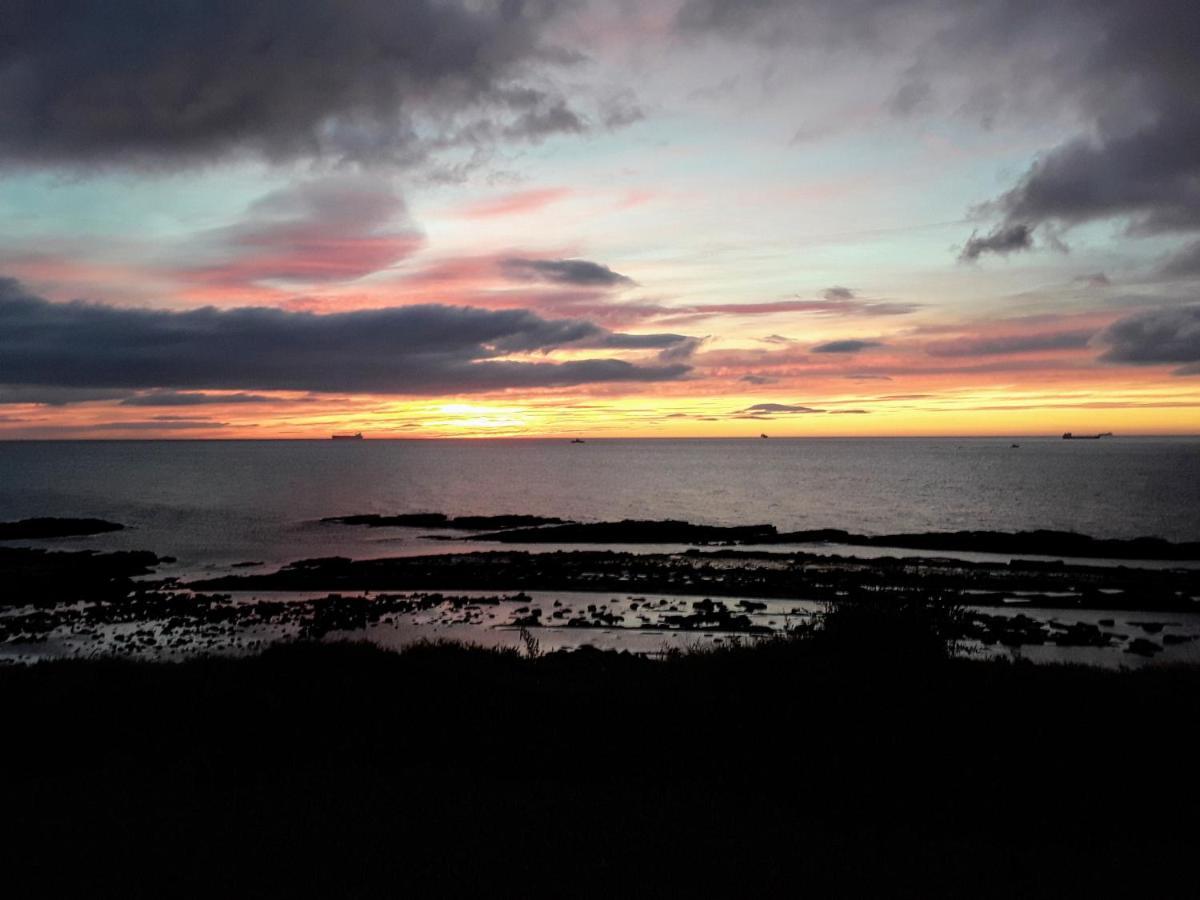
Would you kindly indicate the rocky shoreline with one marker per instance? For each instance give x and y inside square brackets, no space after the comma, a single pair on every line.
[734,573]
[114,603]
[117,602]
[524,529]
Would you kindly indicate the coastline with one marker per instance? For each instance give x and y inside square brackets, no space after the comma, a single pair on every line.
[87,604]
[791,720]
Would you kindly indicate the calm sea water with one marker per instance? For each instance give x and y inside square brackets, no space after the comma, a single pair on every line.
[211,503]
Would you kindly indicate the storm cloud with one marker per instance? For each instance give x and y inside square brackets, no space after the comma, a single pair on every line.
[178,83]
[418,350]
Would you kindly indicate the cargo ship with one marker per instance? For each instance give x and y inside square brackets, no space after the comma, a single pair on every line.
[1086,437]
[357,436]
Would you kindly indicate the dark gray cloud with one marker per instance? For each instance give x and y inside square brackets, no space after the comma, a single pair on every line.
[184,398]
[1006,344]
[910,97]
[758,379]
[579,272]
[1133,70]
[620,341]
[1126,68]
[182,82]
[846,346]
[1003,239]
[1156,337]
[403,350]
[48,395]
[833,24]
[836,294]
[620,109]
[1183,264]
[684,349]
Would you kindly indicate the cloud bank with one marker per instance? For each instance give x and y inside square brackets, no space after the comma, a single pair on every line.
[152,83]
[1156,337]
[417,350]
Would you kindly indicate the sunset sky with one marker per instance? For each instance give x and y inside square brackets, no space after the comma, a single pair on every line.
[423,219]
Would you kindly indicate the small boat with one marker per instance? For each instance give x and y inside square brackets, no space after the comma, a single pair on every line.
[1086,437]
[762,435]
[1014,446]
[577,441]
[357,436]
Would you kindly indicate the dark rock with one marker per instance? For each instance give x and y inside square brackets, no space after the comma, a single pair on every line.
[42,528]
[633,531]
[441,520]
[1142,647]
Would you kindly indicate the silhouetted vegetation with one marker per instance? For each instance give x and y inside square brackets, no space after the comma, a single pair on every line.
[804,763]
[887,628]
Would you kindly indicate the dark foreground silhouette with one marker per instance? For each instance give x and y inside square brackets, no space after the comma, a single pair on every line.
[854,758]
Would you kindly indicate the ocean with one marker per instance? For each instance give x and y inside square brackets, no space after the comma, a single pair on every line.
[214,503]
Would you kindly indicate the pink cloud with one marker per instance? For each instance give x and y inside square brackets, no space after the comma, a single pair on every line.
[320,232]
[517,203]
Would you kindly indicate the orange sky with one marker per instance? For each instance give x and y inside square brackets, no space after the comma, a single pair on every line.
[668,220]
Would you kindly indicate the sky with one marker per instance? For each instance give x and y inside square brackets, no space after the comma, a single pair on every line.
[668,218]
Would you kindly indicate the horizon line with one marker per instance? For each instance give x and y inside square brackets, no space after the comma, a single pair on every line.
[568,437]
